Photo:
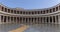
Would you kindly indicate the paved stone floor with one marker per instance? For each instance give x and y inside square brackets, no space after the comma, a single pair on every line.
[32,28]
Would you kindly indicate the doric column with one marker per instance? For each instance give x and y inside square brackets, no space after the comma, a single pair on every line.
[28,20]
[45,19]
[42,19]
[52,19]
[55,20]
[0,7]
[49,19]
[10,19]
[0,19]
[25,20]
[3,19]
[58,7]
[4,9]
[52,10]
[55,9]
[6,19]
[22,19]
[13,19]
[33,20]
[16,20]
[36,20]
[58,19]
[19,20]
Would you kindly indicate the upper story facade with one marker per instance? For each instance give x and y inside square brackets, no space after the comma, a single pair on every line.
[22,11]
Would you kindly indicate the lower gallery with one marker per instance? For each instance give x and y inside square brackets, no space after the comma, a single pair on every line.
[30,16]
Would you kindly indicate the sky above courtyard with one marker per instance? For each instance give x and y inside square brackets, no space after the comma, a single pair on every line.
[30,4]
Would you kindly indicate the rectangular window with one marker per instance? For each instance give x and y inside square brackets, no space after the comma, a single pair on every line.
[50,10]
[8,10]
[59,7]
[5,9]
[15,11]
[56,8]
[2,8]
[47,11]
[53,9]
[11,11]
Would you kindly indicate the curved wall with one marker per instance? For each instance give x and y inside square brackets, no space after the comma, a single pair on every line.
[33,11]
[35,16]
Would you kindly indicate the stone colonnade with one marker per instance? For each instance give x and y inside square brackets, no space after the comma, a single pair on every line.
[30,20]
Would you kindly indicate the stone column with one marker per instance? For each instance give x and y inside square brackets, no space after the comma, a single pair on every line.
[33,20]
[10,19]
[52,19]
[45,20]
[55,20]
[28,20]
[55,9]
[3,19]
[49,20]
[6,19]
[19,20]
[42,19]
[16,20]
[4,9]
[0,8]
[36,20]
[52,10]
[58,19]
[13,19]
[58,7]
[22,20]
[0,19]
[25,21]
